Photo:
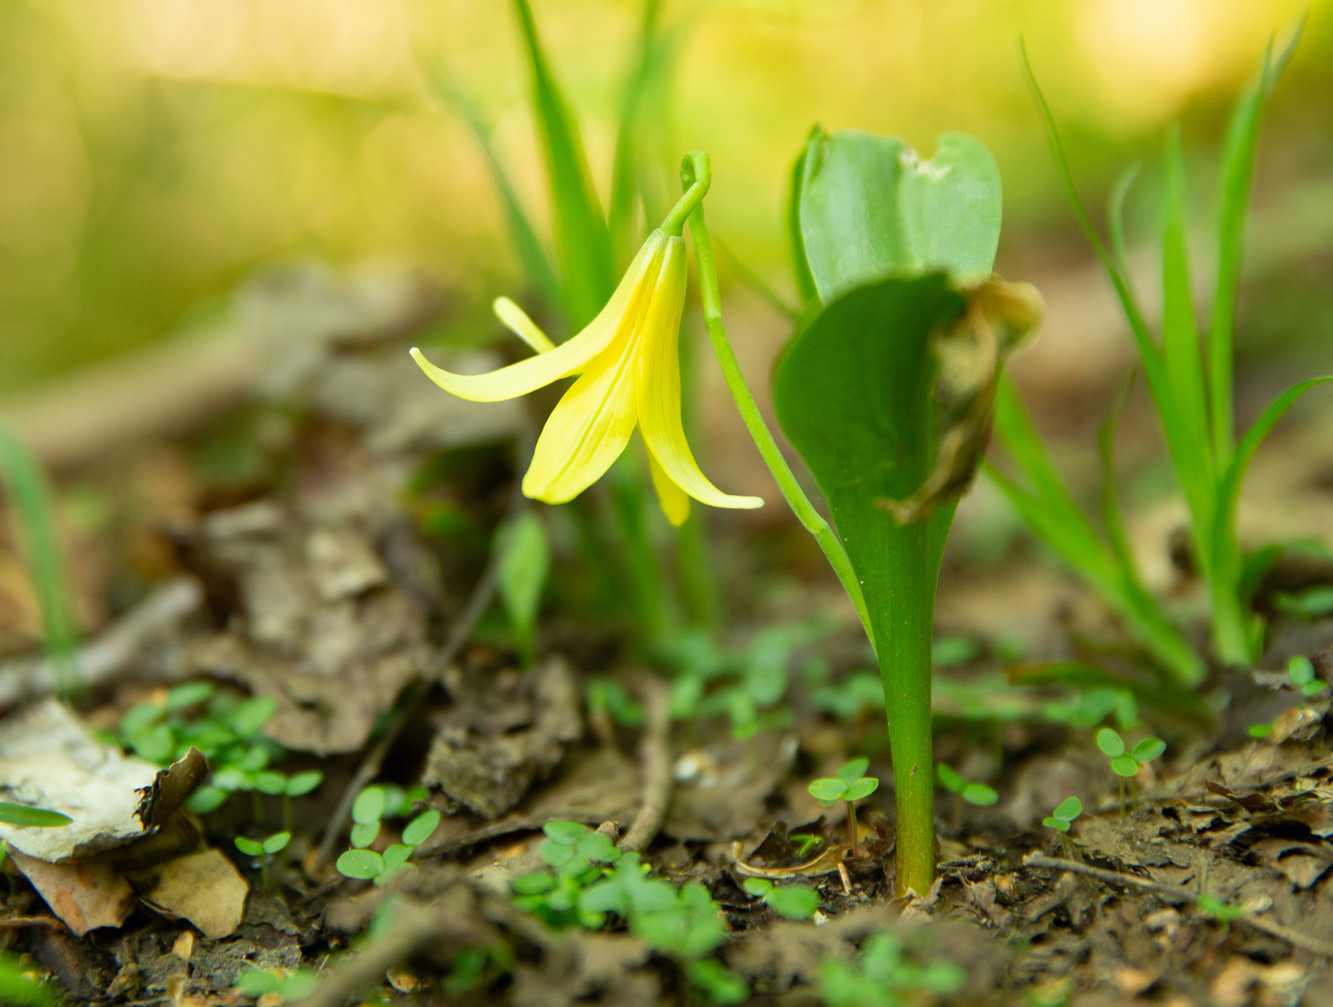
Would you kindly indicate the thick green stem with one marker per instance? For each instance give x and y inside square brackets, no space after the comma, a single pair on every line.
[696,176]
[903,610]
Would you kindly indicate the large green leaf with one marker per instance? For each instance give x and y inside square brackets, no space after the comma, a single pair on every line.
[853,389]
[871,207]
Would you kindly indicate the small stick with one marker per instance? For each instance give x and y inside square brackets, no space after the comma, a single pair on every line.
[655,756]
[1180,896]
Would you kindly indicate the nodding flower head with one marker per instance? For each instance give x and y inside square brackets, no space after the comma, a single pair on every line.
[628,366]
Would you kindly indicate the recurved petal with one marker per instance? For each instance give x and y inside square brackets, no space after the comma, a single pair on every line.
[615,320]
[588,428]
[516,320]
[674,500]
[658,388]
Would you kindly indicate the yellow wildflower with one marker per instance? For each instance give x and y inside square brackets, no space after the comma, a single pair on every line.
[628,363]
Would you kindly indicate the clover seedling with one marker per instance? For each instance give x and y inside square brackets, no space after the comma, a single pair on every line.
[978,794]
[1064,814]
[882,973]
[368,865]
[794,902]
[280,985]
[718,983]
[849,785]
[576,855]
[264,848]
[1126,763]
[1301,672]
[1060,820]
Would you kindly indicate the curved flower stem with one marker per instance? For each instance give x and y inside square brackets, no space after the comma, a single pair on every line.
[696,177]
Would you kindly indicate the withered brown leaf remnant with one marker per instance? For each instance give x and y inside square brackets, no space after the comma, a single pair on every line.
[998,321]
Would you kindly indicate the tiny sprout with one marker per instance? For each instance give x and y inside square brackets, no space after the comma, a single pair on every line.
[794,902]
[264,848]
[1064,814]
[1301,672]
[1127,763]
[1223,912]
[968,790]
[1061,819]
[849,785]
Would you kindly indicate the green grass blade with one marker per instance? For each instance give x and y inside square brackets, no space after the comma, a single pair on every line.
[1234,641]
[1236,182]
[1115,216]
[1058,521]
[1142,337]
[652,60]
[582,240]
[1174,426]
[1014,430]
[30,500]
[1069,535]
[1188,416]
[531,256]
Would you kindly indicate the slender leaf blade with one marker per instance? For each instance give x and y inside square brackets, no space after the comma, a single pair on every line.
[583,242]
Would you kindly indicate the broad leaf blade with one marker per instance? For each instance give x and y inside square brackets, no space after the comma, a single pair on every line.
[870,207]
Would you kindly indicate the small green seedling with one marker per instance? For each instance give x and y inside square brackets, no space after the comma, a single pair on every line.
[1062,818]
[1126,763]
[277,784]
[1222,912]
[716,982]
[264,848]
[277,985]
[850,785]
[1301,672]
[884,974]
[970,791]
[793,902]
[368,865]
[577,857]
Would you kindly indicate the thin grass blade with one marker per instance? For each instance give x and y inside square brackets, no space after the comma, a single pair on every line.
[1236,182]
[1181,351]
[531,256]
[645,80]
[25,484]
[1227,563]
[1115,217]
[583,242]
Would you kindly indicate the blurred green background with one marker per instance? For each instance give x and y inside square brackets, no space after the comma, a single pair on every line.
[152,152]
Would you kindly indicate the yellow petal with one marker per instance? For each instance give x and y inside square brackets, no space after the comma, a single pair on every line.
[567,358]
[658,391]
[674,500]
[517,321]
[588,428]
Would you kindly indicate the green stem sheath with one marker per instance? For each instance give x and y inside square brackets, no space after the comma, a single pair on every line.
[696,176]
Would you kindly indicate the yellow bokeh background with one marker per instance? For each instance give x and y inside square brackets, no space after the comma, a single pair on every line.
[152,152]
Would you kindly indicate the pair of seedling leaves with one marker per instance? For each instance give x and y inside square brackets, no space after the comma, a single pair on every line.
[888,386]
